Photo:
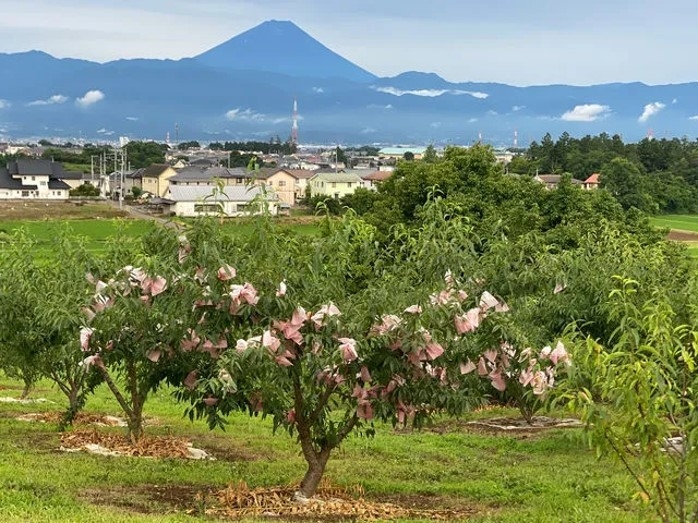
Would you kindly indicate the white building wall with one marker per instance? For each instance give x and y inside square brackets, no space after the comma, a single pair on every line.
[211,208]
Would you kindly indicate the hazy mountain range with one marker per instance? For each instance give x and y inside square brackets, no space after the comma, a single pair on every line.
[244,89]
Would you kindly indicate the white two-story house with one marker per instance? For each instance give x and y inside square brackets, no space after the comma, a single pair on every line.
[29,179]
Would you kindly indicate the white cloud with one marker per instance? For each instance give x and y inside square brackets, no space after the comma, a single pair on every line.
[245,115]
[650,110]
[51,100]
[318,89]
[368,130]
[430,93]
[435,125]
[472,120]
[105,132]
[586,113]
[132,118]
[518,107]
[693,117]
[90,98]
[4,104]
[675,100]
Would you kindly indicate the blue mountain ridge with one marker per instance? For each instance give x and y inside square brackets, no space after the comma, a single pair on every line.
[244,89]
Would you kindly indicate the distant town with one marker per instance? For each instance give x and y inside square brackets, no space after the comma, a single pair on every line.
[190,179]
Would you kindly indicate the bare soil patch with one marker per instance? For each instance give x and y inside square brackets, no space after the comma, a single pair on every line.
[93,441]
[75,210]
[682,236]
[150,499]
[223,448]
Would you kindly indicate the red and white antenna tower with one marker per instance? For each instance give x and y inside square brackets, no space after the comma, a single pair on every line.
[294,126]
[650,134]
[516,139]
[479,137]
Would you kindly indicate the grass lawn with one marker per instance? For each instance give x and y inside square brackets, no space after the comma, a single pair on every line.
[545,477]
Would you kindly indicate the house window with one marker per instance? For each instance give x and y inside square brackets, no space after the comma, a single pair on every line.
[334,185]
[33,178]
[206,207]
[282,183]
[42,183]
[25,194]
[348,184]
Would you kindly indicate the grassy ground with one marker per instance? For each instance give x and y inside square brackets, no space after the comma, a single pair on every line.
[549,477]
[682,228]
[99,222]
[679,222]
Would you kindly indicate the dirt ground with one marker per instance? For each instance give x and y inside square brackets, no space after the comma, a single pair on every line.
[682,236]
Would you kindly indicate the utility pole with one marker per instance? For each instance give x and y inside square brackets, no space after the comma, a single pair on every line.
[123,165]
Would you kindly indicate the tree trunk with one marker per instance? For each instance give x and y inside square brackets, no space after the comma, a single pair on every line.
[76,400]
[135,420]
[313,476]
[27,389]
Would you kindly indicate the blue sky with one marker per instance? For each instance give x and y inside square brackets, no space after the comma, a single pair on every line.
[517,42]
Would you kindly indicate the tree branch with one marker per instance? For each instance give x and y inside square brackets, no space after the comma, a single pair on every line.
[321,404]
[115,390]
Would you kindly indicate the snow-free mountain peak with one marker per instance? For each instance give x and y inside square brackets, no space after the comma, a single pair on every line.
[282,47]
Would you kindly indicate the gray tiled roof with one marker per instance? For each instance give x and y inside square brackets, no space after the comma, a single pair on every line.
[57,185]
[7,182]
[196,174]
[28,167]
[155,169]
[70,175]
[234,193]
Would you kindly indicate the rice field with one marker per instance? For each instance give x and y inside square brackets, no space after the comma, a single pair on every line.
[677,222]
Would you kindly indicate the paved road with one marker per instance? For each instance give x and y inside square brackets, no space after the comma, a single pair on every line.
[141,215]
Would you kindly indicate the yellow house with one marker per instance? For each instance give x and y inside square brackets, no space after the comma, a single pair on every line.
[154,179]
[288,184]
[335,185]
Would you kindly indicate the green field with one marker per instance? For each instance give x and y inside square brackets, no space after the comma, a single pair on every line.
[542,477]
[680,222]
[98,232]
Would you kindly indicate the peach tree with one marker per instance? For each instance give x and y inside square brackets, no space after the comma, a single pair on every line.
[40,296]
[326,336]
[133,320]
[638,401]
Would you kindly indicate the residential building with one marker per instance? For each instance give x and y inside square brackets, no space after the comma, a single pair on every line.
[551,181]
[210,176]
[375,178]
[228,201]
[399,152]
[33,179]
[290,185]
[153,179]
[335,184]
[592,182]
